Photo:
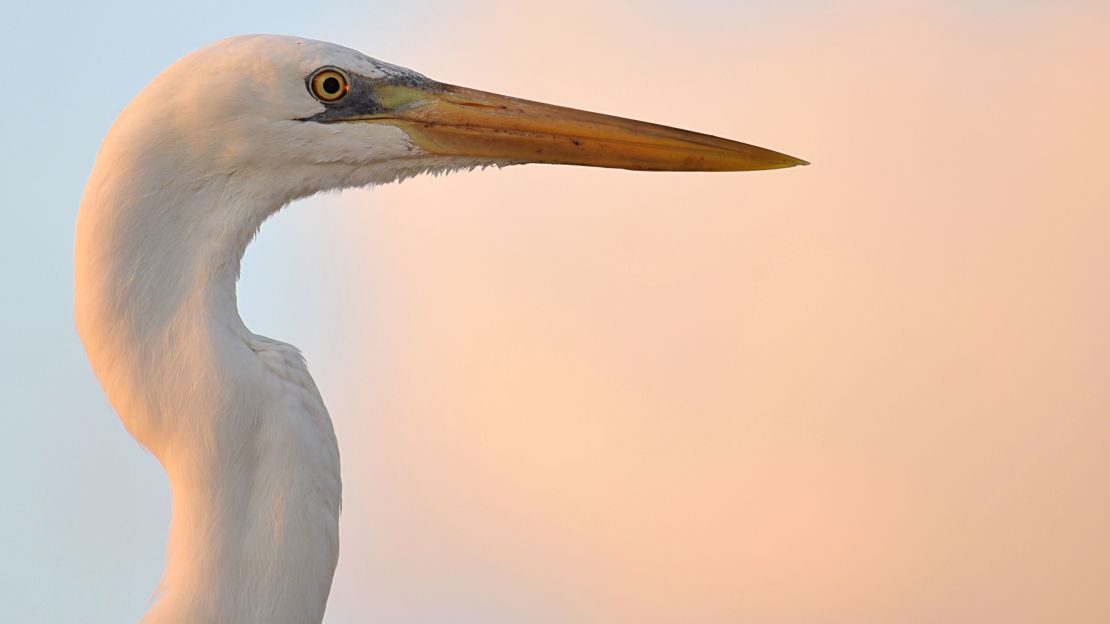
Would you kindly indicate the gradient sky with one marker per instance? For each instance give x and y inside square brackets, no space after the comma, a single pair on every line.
[871,390]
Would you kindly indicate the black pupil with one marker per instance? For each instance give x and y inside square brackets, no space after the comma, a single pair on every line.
[331,85]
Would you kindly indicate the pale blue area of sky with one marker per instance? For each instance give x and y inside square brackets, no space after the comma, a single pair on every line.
[85,510]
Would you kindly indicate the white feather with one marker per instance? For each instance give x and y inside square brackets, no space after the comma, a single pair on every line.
[183,181]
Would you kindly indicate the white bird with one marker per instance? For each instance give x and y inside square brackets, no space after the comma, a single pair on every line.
[216,144]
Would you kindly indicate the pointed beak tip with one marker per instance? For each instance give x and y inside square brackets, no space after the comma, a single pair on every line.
[792,161]
[789,162]
[781,161]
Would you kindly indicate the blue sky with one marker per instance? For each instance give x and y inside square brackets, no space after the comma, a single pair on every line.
[75,550]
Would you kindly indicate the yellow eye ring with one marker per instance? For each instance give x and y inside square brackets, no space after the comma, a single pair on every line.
[329,85]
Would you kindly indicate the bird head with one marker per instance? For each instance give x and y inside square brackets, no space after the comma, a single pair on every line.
[299,116]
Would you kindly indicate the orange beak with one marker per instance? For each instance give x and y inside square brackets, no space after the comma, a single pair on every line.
[445,120]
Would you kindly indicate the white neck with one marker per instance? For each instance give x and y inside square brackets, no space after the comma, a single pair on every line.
[234,418]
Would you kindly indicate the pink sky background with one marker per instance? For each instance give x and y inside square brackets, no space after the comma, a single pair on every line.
[870,390]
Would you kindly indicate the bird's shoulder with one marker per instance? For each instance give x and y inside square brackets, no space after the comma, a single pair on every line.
[284,362]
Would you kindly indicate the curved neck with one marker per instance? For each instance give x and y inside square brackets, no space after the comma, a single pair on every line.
[234,418]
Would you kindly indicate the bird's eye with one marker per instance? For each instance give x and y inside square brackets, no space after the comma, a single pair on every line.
[329,85]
